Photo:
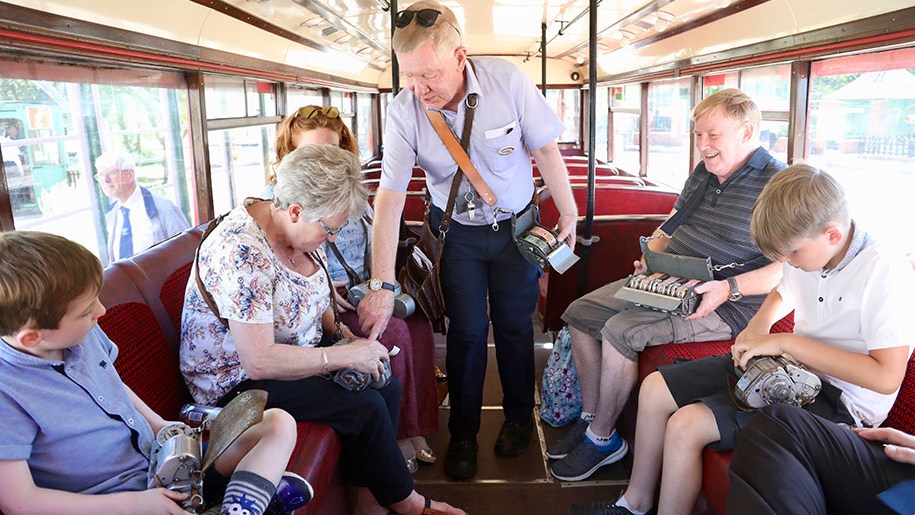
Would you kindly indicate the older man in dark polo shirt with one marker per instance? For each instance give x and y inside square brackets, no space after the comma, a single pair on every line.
[608,334]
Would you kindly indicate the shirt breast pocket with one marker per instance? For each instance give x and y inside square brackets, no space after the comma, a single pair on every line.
[503,147]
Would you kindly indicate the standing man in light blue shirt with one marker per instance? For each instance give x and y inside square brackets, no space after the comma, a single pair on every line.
[481,265]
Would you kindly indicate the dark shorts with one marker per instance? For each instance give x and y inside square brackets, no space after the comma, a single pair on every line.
[707,381]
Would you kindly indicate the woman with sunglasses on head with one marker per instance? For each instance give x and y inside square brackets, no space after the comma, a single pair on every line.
[255,311]
[415,365]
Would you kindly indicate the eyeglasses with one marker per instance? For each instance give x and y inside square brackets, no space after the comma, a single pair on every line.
[332,232]
[309,112]
[103,176]
[424,17]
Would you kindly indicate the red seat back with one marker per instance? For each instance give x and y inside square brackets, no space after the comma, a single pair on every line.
[145,362]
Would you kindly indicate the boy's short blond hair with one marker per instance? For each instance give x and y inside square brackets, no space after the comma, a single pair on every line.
[445,37]
[798,202]
[736,104]
[40,275]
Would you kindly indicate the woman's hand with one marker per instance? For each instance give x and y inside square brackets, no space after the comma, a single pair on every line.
[343,305]
[898,446]
[366,356]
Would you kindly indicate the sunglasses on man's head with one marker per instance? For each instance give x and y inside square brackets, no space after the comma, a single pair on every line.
[309,112]
[424,17]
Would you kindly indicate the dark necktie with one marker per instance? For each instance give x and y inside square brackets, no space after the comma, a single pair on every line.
[125,249]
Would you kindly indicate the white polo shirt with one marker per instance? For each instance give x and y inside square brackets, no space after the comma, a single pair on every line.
[865,303]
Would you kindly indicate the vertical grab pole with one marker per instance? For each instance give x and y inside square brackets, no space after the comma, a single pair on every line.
[543,59]
[395,68]
[592,119]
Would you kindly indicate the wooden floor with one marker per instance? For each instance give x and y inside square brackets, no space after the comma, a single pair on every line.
[520,485]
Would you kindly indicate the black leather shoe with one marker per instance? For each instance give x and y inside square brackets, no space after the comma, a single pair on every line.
[461,459]
[514,438]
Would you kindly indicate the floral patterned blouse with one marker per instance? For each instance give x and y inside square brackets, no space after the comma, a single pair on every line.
[248,284]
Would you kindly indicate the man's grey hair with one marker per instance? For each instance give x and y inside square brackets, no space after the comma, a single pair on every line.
[325,180]
[115,160]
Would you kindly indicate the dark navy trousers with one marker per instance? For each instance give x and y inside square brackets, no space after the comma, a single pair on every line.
[484,277]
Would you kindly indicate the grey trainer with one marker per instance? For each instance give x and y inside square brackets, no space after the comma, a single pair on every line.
[586,458]
[572,438]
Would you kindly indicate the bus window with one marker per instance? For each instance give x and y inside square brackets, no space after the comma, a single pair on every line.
[365,135]
[601,119]
[53,131]
[770,88]
[297,97]
[240,160]
[625,112]
[862,130]
[669,109]
[566,104]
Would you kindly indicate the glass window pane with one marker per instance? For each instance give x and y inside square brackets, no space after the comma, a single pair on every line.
[366,135]
[626,142]
[625,104]
[261,98]
[566,105]
[669,124]
[601,117]
[714,83]
[51,133]
[240,160]
[225,97]
[297,97]
[862,130]
[769,87]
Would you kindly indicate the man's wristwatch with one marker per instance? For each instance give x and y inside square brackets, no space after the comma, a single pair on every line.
[735,291]
[378,284]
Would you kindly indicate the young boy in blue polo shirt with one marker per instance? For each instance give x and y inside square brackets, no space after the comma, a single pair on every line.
[851,299]
[74,437]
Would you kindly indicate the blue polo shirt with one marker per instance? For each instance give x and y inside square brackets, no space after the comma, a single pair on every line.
[72,420]
[720,228]
[511,118]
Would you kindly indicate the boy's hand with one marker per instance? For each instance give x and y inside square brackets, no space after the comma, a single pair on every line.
[898,446]
[748,345]
[157,501]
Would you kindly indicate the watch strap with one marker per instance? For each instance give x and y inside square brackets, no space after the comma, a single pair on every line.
[735,289]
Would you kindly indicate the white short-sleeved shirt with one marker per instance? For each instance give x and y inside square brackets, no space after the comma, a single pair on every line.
[863,304]
[248,284]
[512,117]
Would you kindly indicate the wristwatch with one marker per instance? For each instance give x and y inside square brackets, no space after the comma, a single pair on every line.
[735,291]
[377,284]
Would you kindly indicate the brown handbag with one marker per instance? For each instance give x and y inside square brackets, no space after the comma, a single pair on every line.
[420,277]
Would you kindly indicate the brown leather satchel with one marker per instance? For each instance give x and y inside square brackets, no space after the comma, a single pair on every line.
[420,275]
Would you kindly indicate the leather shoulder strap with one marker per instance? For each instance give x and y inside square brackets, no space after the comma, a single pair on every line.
[459,154]
[203,290]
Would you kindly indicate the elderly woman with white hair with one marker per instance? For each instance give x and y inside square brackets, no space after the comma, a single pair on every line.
[264,270]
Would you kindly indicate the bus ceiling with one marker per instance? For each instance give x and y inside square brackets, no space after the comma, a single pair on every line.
[348,42]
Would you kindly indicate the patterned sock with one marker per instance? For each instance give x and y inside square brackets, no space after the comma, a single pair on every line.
[587,416]
[247,491]
[623,503]
[601,442]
